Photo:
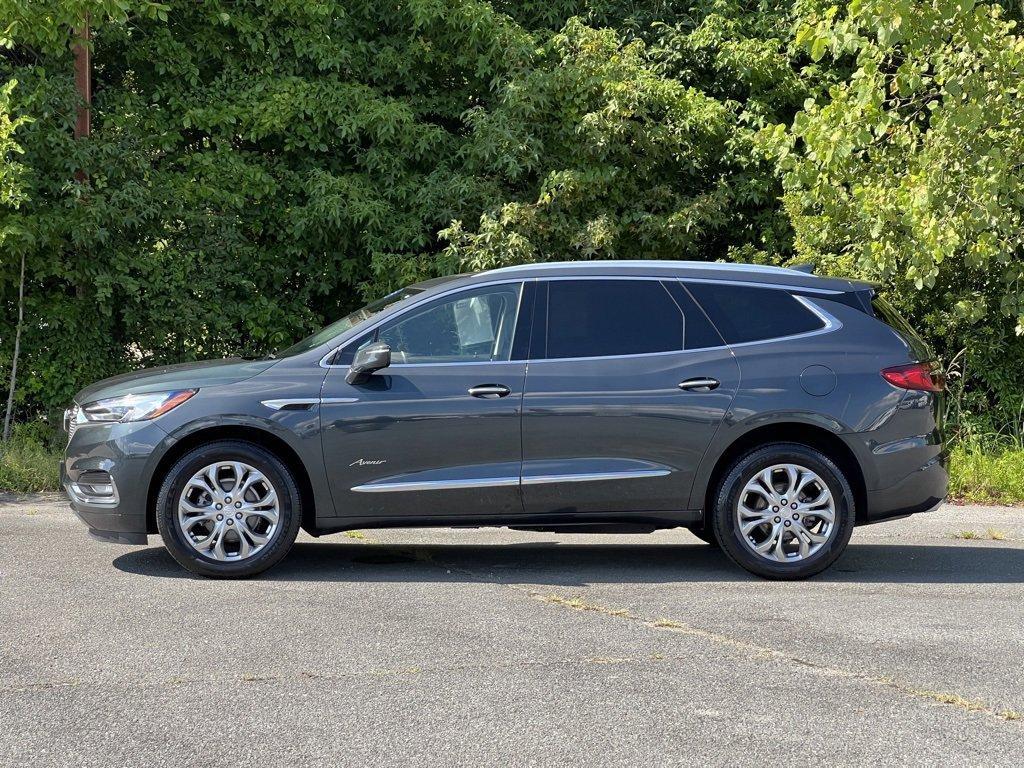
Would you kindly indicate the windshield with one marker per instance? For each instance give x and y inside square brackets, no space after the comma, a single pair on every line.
[348,321]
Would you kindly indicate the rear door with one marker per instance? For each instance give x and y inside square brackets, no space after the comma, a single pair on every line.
[628,382]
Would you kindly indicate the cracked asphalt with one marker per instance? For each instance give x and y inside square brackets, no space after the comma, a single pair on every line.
[491,647]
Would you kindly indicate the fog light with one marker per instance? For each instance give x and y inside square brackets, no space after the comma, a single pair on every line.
[95,487]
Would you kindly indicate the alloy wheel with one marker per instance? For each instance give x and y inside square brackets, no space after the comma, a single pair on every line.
[786,513]
[228,511]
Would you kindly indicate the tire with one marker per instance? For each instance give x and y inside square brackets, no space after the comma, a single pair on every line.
[784,559]
[268,488]
[705,534]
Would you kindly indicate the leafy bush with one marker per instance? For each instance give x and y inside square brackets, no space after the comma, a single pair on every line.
[258,168]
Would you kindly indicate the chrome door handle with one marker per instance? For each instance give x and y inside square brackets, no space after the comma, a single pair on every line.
[490,391]
[699,385]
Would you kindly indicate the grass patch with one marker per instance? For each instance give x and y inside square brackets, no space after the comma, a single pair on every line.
[27,463]
[987,477]
[965,535]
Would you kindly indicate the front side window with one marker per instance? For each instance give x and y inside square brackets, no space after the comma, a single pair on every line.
[603,318]
[475,325]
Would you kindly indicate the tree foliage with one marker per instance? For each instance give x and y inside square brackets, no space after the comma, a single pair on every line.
[258,167]
[910,169]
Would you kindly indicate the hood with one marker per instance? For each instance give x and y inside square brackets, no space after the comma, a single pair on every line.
[206,373]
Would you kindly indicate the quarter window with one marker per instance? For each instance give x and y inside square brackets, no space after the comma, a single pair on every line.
[601,318]
[743,313]
[473,326]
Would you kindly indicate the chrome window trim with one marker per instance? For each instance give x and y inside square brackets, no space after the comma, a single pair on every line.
[831,323]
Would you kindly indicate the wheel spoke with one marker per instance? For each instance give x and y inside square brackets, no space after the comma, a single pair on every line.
[190,522]
[764,480]
[251,479]
[793,475]
[824,514]
[210,476]
[256,538]
[769,542]
[750,525]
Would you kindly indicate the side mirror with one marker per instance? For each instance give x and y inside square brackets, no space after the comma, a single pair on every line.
[367,360]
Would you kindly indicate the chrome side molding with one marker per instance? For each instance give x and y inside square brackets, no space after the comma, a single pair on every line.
[495,482]
[304,403]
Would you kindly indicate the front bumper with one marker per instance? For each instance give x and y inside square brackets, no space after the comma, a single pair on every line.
[124,453]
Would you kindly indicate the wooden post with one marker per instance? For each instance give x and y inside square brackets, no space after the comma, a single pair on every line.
[83,79]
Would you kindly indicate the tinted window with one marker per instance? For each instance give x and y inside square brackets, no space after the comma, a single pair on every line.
[698,332]
[598,318]
[743,313]
[472,326]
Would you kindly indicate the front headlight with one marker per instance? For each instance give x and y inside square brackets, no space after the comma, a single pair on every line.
[132,407]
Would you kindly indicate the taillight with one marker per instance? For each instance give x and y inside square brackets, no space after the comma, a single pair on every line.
[923,376]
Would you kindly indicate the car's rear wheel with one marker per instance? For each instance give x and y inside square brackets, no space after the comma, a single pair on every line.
[228,509]
[784,511]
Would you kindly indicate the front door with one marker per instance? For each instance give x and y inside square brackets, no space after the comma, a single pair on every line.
[438,432]
[624,393]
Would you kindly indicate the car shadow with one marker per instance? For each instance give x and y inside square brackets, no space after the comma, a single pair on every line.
[558,564]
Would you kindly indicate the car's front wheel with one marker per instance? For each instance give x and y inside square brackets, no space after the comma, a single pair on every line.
[228,509]
[784,511]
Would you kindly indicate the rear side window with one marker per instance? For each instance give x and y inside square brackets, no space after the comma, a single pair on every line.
[601,318]
[887,313]
[743,313]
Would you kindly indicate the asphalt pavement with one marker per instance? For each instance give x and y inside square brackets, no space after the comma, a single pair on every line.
[478,647]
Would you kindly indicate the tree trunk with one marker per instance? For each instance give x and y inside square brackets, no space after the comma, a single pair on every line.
[17,349]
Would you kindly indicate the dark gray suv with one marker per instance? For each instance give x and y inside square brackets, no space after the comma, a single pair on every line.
[767,410]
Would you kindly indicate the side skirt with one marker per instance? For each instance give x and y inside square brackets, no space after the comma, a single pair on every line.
[559,522]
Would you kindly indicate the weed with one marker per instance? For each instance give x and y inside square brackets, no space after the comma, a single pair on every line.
[965,535]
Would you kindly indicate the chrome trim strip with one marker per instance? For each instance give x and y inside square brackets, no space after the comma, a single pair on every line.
[436,485]
[497,482]
[79,495]
[587,477]
[276,405]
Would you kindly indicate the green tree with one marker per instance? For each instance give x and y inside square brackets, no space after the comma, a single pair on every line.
[909,170]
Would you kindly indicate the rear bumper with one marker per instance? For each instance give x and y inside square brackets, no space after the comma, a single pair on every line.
[921,491]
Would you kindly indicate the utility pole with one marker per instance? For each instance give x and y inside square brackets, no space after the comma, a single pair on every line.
[83,79]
